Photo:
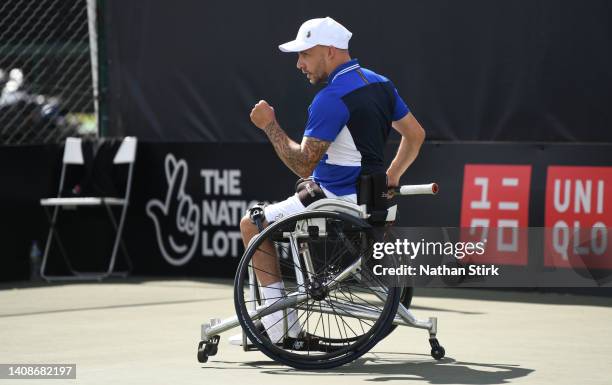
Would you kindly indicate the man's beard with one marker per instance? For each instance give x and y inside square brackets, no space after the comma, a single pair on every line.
[314,80]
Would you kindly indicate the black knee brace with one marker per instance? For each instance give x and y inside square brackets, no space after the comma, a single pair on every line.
[308,191]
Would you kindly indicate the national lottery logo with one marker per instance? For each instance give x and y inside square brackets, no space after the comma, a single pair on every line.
[203,224]
[176,218]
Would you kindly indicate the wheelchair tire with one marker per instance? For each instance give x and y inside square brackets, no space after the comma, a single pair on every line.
[406,301]
[332,250]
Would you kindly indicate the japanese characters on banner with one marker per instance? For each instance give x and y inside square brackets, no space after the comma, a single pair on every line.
[578,213]
[495,208]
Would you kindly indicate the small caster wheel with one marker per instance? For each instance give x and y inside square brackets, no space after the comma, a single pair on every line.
[208,348]
[213,350]
[202,356]
[437,351]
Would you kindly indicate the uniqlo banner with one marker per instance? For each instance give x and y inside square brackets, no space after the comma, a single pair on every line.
[495,209]
[578,217]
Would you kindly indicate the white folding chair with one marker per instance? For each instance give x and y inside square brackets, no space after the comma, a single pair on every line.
[73,155]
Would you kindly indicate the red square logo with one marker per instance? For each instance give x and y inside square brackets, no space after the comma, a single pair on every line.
[578,217]
[495,209]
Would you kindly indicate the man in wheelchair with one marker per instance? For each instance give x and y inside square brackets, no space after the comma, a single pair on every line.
[349,121]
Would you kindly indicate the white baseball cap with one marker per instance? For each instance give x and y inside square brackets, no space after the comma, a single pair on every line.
[323,31]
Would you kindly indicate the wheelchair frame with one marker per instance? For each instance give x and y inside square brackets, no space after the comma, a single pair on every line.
[404,317]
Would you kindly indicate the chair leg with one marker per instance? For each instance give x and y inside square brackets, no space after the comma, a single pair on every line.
[79,275]
[127,258]
[51,219]
[126,255]
[54,234]
[118,241]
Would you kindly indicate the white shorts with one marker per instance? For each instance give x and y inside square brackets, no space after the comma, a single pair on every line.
[292,205]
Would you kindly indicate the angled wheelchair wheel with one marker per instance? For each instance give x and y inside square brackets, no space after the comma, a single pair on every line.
[405,301]
[332,310]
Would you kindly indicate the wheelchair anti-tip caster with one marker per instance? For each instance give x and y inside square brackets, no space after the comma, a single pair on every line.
[208,348]
[437,351]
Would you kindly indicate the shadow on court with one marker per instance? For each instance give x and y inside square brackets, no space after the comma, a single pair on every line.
[401,367]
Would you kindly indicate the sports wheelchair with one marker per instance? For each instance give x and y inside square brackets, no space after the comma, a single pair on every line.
[341,307]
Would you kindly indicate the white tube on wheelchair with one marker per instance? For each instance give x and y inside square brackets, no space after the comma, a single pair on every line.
[418,189]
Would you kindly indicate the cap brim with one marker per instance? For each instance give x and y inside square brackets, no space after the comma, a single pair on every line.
[295,46]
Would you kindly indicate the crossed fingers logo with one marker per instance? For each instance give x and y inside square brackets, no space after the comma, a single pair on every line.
[176,218]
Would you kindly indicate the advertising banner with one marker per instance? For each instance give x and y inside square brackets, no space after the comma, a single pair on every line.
[188,199]
[579,212]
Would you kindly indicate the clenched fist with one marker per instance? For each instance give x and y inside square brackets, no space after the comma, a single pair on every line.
[262,114]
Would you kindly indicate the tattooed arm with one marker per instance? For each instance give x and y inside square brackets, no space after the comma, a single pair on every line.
[300,158]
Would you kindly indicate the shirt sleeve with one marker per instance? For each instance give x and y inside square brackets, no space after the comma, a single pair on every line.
[326,117]
[401,109]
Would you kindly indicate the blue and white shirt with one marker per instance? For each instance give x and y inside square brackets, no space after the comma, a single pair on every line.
[354,112]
